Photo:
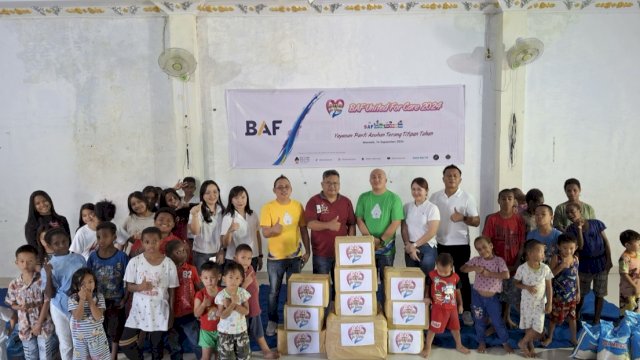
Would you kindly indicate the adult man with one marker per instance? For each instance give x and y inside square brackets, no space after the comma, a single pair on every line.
[328,214]
[282,223]
[379,213]
[458,211]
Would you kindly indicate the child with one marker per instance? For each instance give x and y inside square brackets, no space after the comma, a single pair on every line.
[151,277]
[42,212]
[234,307]
[87,211]
[545,232]
[240,225]
[629,271]
[204,223]
[533,198]
[57,276]
[490,271]
[45,253]
[243,256]
[188,186]
[534,278]
[595,255]
[153,196]
[443,293]
[506,231]
[84,241]
[140,217]
[572,189]
[566,294]
[86,305]
[206,310]
[25,295]
[171,199]
[521,200]
[108,265]
[106,211]
[184,323]
[165,220]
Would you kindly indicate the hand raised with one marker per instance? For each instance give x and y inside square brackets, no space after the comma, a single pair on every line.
[276,229]
[334,225]
[456,216]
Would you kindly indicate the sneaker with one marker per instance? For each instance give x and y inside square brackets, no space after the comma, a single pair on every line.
[467,319]
[271,329]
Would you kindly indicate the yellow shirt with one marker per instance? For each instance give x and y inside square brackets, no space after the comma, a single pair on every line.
[287,244]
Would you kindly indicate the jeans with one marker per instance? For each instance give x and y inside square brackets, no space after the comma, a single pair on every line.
[381,262]
[325,265]
[38,347]
[460,254]
[201,258]
[63,330]
[276,270]
[484,308]
[427,256]
[188,327]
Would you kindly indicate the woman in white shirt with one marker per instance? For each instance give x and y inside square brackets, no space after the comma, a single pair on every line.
[204,222]
[240,225]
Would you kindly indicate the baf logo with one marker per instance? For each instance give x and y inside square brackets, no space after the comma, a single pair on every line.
[404,341]
[302,341]
[354,279]
[252,128]
[306,292]
[354,253]
[355,304]
[334,107]
[357,333]
[302,318]
[408,312]
[406,287]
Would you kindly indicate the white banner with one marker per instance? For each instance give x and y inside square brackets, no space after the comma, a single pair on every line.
[346,127]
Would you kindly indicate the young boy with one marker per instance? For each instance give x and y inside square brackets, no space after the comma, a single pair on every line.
[243,256]
[533,198]
[25,295]
[205,309]
[108,265]
[188,186]
[629,271]
[545,232]
[446,303]
[106,211]
[506,231]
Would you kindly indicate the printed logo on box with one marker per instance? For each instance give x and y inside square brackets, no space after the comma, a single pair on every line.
[408,312]
[302,318]
[355,304]
[354,253]
[406,287]
[354,279]
[404,340]
[302,341]
[356,333]
[306,292]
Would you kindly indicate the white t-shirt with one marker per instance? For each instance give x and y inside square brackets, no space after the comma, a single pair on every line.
[417,218]
[449,232]
[208,241]
[150,309]
[84,242]
[235,323]
[246,233]
[135,224]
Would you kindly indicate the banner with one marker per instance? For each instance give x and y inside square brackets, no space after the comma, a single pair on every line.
[346,127]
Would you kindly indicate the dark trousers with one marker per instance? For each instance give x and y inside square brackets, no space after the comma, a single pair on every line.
[460,254]
[129,344]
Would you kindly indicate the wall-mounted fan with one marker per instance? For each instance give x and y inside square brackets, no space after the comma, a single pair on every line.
[177,62]
[525,51]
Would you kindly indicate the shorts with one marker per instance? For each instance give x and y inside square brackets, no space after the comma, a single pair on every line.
[254,324]
[628,303]
[600,283]
[234,346]
[442,318]
[562,310]
[208,339]
[532,318]
[510,293]
[114,320]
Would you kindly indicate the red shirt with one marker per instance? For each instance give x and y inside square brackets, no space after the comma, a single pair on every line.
[209,319]
[254,303]
[186,291]
[507,236]
[443,289]
[320,209]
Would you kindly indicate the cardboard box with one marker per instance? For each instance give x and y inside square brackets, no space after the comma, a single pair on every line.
[356,338]
[407,314]
[300,342]
[303,318]
[356,279]
[356,304]
[404,284]
[355,251]
[308,290]
[405,341]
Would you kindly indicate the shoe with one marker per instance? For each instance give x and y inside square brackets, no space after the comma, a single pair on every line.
[467,319]
[271,329]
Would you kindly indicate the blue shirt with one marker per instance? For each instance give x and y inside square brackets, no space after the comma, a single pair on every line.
[550,242]
[63,268]
[109,274]
[592,256]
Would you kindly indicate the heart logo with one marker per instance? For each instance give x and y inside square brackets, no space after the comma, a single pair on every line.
[334,107]
[408,312]
[354,279]
[357,333]
[404,340]
[354,253]
[355,304]
[306,292]
[302,341]
[301,318]
[406,287]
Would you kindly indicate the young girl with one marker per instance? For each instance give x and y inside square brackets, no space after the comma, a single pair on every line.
[84,241]
[240,225]
[140,217]
[629,264]
[42,212]
[165,220]
[204,222]
[206,310]
[490,271]
[87,210]
[45,253]
[234,307]
[171,199]
[152,278]
[86,305]
[534,279]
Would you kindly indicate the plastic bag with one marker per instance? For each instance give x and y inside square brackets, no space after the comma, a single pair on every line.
[614,342]
[633,319]
[587,347]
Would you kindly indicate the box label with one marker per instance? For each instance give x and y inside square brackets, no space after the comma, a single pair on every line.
[357,334]
[356,304]
[307,294]
[409,313]
[407,289]
[356,280]
[303,342]
[302,318]
[405,341]
[355,254]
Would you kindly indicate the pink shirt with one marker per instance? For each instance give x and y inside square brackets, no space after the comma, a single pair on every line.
[484,283]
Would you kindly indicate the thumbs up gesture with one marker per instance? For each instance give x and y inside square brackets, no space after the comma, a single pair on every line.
[334,225]
[234,226]
[276,229]
[456,216]
[145,285]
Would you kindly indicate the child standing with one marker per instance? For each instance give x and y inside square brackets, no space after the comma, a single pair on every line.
[490,271]
[108,265]
[204,223]
[86,305]
[233,304]
[44,250]
[446,303]
[185,325]
[84,241]
[206,310]
[165,220]
[533,198]
[140,217]
[534,278]
[240,225]
[25,295]
[243,256]
[87,210]
[151,277]
[566,294]
[545,232]
[57,275]
[629,271]
[171,199]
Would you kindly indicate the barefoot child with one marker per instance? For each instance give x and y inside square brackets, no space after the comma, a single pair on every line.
[234,307]
[629,271]
[490,271]
[534,279]
[565,287]
[206,310]
[446,303]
